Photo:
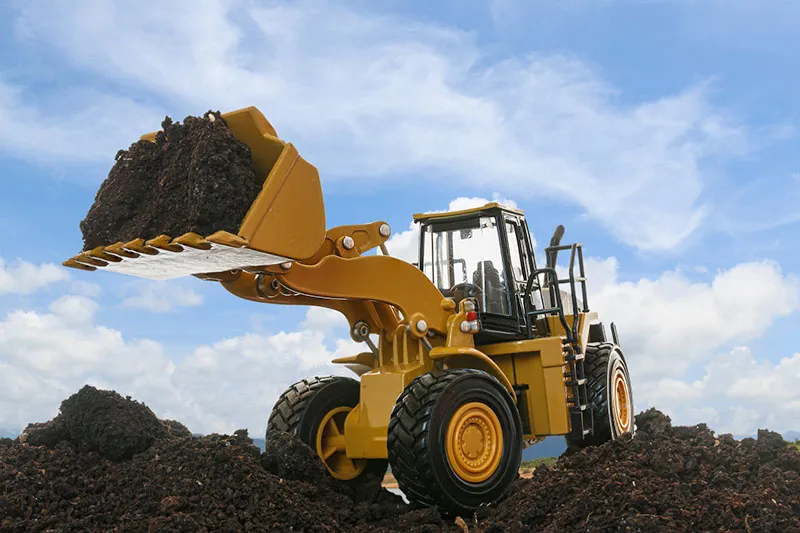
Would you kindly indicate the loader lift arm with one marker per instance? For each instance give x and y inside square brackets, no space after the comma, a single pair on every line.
[369,289]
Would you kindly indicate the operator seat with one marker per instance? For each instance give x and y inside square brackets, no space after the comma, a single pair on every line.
[496,295]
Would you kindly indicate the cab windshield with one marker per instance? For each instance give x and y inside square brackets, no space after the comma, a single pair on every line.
[464,259]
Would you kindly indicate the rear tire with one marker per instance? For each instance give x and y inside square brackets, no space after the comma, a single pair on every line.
[455,440]
[610,396]
[306,405]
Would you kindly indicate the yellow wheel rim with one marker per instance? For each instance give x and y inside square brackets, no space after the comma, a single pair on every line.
[331,446]
[622,408]
[474,442]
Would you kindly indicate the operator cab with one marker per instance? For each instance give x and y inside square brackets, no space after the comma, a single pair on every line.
[483,253]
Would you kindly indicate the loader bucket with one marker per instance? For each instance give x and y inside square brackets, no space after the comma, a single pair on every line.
[286,222]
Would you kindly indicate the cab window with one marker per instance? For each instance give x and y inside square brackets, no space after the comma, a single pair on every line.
[464,258]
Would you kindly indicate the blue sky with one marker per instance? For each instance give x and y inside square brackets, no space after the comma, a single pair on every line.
[662,134]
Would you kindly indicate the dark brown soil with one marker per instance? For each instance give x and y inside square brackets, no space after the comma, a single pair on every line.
[196,177]
[666,479]
[101,421]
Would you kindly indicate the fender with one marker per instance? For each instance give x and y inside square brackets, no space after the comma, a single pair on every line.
[463,357]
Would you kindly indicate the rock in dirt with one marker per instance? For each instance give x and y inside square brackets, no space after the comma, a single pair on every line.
[175,429]
[288,457]
[196,177]
[100,421]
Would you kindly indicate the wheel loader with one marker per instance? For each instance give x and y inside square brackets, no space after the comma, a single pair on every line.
[470,355]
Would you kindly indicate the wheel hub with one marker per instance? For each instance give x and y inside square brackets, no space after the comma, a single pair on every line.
[622,414]
[474,442]
[331,446]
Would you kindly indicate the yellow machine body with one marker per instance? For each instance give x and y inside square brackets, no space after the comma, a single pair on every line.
[282,254]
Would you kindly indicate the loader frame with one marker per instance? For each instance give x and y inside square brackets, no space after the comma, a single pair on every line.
[418,329]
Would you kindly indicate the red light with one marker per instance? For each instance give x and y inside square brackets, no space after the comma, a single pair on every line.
[472,316]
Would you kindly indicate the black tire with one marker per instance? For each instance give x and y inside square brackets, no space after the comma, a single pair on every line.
[303,406]
[603,361]
[418,433]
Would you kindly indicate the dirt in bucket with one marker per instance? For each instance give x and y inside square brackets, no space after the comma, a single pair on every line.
[196,177]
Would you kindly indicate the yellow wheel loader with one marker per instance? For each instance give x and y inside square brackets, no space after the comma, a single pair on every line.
[471,354]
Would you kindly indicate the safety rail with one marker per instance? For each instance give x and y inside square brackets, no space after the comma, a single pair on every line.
[553,284]
[581,419]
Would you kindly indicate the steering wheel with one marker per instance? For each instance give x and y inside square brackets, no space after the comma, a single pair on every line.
[465,290]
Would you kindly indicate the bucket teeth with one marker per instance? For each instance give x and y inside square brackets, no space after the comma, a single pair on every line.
[193,240]
[87,259]
[228,239]
[164,242]
[80,266]
[101,253]
[138,245]
[120,250]
[192,255]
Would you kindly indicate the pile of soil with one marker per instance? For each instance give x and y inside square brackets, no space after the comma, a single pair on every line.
[196,177]
[56,478]
[102,421]
[665,479]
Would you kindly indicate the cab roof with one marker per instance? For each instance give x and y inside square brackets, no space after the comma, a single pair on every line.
[488,209]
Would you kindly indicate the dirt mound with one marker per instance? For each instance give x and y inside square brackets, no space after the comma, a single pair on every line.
[178,482]
[103,422]
[665,479]
[196,177]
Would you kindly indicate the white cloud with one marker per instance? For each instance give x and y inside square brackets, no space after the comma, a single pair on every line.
[398,96]
[77,125]
[45,357]
[235,382]
[22,277]
[668,324]
[74,310]
[739,394]
[671,328]
[324,320]
[161,297]
[83,288]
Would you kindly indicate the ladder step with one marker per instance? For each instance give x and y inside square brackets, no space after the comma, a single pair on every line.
[579,382]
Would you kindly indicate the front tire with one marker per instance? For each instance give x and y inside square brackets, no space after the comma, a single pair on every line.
[455,440]
[610,396]
[314,410]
